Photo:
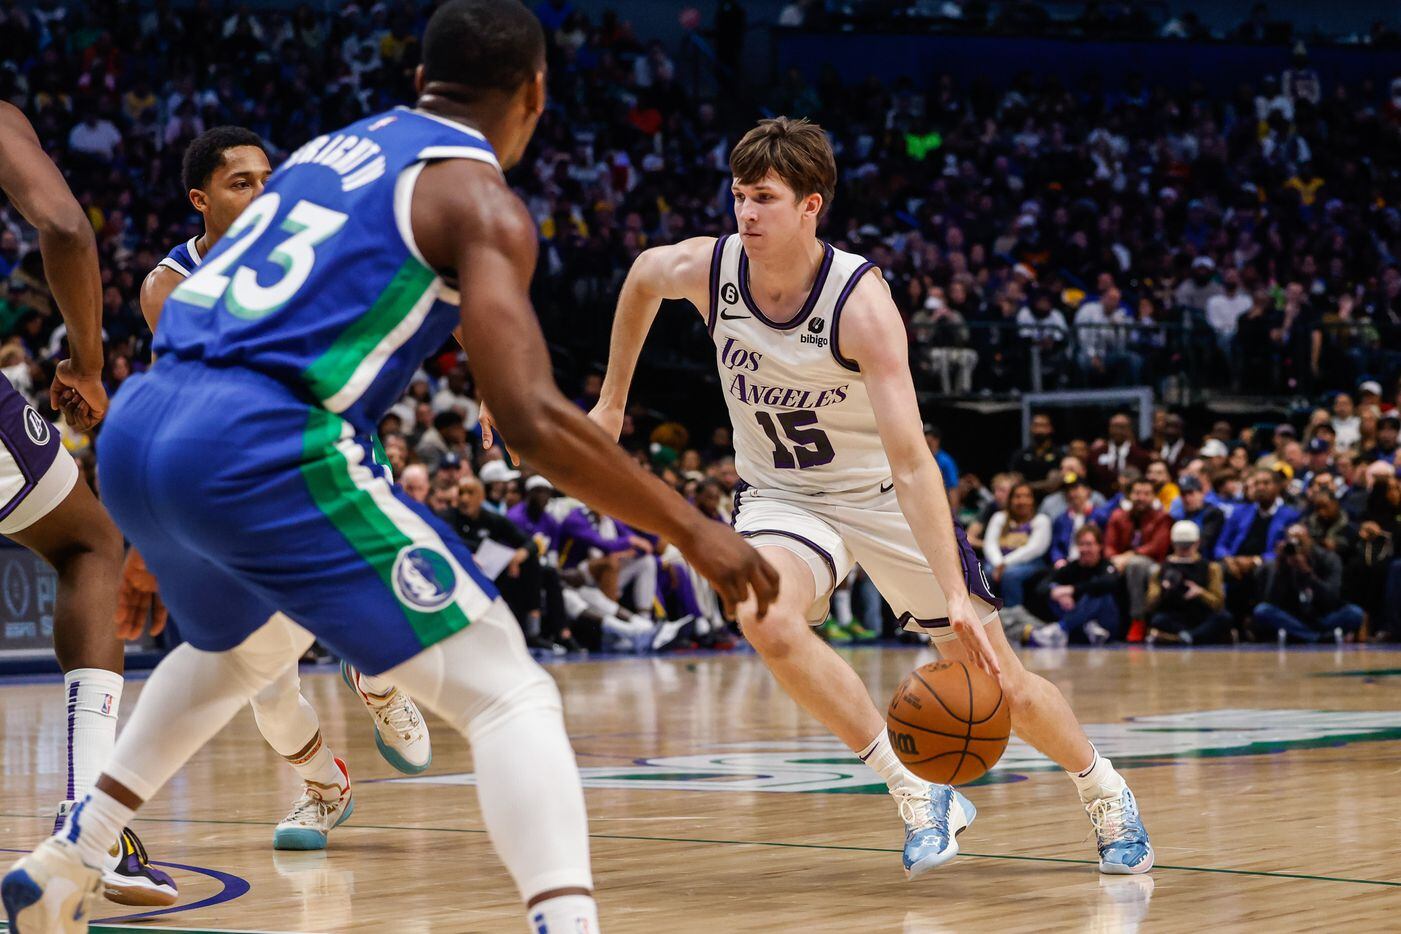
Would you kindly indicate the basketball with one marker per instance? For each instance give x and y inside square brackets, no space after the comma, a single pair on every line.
[948,722]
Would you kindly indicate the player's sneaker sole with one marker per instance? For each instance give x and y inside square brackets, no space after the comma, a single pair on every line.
[307,838]
[1119,869]
[959,821]
[134,881]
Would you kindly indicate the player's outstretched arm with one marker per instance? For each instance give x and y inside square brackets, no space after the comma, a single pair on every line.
[679,270]
[66,242]
[873,335]
[467,220]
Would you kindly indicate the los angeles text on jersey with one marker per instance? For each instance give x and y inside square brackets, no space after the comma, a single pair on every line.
[743,363]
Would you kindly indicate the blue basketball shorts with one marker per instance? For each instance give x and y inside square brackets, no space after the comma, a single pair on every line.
[245,500]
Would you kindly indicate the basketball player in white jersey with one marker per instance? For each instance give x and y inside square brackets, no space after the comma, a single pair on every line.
[814,361]
[223,170]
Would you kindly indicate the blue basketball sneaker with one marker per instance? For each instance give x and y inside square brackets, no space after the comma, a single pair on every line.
[50,891]
[933,820]
[1123,842]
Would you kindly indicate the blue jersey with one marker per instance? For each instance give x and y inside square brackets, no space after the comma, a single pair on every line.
[183,258]
[318,283]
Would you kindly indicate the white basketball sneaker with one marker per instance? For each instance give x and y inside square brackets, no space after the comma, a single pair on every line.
[315,814]
[50,891]
[401,735]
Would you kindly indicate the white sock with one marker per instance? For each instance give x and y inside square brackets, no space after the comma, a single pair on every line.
[564,914]
[1099,780]
[290,726]
[93,826]
[879,755]
[94,696]
[841,607]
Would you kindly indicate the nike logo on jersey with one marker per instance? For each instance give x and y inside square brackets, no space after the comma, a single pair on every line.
[729,317]
[887,489]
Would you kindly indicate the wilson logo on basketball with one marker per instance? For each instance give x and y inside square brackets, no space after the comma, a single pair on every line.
[903,742]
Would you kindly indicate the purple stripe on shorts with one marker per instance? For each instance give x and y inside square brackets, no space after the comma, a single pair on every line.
[973,576]
[822,553]
[740,487]
[72,719]
[31,441]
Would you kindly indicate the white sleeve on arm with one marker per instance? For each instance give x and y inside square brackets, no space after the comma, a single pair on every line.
[1036,546]
[991,549]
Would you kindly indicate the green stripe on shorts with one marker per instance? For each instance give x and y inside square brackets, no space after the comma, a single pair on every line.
[377,536]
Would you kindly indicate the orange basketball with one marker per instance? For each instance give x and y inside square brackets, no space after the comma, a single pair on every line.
[948,722]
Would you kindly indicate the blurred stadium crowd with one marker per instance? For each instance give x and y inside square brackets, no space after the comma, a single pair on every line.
[1237,240]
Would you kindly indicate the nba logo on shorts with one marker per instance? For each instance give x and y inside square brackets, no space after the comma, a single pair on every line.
[424,579]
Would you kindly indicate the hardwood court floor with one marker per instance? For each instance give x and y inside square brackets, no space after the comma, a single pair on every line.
[1269,782]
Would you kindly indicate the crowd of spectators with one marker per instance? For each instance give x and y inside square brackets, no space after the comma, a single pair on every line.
[1033,235]
[1242,535]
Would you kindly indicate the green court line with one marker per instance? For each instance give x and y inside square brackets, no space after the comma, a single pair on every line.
[1260,873]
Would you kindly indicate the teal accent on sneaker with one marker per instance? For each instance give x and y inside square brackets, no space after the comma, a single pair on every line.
[386,752]
[305,838]
[390,755]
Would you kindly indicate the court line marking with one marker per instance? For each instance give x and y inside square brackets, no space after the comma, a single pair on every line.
[231,887]
[1261,873]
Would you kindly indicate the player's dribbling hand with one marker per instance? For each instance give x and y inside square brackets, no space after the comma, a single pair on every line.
[80,397]
[973,634]
[489,436]
[609,418]
[733,568]
[138,597]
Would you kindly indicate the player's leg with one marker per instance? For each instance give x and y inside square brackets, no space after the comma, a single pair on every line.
[61,520]
[810,557]
[484,683]
[1042,717]
[84,547]
[881,540]
[383,583]
[190,696]
[290,726]
[808,669]
[823,684]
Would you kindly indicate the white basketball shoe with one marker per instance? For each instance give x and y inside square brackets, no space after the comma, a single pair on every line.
[401,735]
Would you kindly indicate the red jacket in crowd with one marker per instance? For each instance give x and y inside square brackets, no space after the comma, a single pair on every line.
[1147,533]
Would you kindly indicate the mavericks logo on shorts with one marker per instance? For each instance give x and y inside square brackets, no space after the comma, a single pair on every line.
[424,579]
[35,426]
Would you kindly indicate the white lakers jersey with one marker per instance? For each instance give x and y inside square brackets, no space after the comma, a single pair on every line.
[802,420]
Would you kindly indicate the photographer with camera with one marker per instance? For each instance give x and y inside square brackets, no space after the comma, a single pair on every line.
[1187,593]
[1303,593]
